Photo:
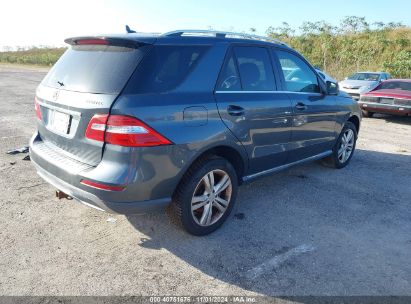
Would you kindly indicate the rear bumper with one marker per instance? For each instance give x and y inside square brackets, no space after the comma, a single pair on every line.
[93,201]
[65,175]
[383,108]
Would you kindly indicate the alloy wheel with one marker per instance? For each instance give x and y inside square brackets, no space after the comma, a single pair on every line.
[211,197]
[346,146]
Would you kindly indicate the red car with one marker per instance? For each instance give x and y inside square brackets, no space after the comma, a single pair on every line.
[391,97]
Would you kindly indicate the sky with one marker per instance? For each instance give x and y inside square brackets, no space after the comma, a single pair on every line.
[49,22]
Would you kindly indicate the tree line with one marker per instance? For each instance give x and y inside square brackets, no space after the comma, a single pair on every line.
[353,45]
[340,50]
[44,56]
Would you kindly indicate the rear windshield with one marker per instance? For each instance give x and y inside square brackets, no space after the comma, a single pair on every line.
[94,68]
[394,85]
[164,68]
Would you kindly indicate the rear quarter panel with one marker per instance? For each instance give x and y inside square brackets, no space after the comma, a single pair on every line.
[165,165]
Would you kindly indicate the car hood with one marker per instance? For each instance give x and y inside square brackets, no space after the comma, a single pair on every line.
[356,84]
[390,93]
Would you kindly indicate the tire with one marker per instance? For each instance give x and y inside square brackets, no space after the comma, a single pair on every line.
[336,160]
[192,199]
[368,114]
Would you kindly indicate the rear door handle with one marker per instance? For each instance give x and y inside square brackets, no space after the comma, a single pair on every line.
[301,106]
[235,110]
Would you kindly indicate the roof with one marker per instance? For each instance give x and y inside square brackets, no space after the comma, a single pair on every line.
[184,36]
[221,34]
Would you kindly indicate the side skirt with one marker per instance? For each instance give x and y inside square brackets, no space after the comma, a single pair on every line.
[254,176]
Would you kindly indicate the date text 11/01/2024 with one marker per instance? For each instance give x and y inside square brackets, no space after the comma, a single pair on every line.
[203,299]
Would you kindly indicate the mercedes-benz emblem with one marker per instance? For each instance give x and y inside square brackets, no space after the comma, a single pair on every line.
[56,95]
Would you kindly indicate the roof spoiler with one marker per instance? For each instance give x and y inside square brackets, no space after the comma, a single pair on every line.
[104,40]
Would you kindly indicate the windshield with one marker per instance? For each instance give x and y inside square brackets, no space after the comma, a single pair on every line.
[394,85]
[94,68]
[365,76]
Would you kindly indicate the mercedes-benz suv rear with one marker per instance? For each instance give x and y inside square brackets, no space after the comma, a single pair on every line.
[129,123]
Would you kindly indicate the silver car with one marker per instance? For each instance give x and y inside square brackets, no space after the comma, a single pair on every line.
[362,82]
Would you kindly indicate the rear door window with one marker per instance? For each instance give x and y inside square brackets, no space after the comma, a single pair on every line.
[229,78]
[94,68]
[165,67]
[255,68]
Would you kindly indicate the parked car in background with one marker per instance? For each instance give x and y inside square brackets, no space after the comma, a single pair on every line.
[295,74]
[362,82]
[390,97]
[325,76]
[130,123]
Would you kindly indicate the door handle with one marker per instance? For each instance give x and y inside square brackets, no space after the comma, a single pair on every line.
[235,110]
[301,106]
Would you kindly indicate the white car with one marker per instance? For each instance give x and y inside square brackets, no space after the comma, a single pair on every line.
[362,82]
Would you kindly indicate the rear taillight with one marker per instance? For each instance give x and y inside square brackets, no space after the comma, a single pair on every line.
[37,109]
[124,131]
[96,127]
[131,132]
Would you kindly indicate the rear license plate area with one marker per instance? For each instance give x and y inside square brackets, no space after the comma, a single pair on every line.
[59,122]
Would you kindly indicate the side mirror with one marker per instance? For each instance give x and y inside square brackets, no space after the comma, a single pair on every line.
[332,88]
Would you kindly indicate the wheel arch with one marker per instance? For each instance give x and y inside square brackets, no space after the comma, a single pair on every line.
[237,159]
[356,121]
[230,154]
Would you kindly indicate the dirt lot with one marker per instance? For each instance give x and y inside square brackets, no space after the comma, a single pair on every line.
[310,230]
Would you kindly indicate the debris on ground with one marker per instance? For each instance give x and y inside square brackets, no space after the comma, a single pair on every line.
[111,220]
[27,157]
[24,149]
[13,163]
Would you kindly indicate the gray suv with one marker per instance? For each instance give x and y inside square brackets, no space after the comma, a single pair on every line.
[129,123]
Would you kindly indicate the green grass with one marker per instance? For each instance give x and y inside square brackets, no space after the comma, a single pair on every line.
[353,46]
[33,56]
[342,55]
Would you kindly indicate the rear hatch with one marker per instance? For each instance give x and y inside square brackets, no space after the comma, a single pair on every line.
[85,81]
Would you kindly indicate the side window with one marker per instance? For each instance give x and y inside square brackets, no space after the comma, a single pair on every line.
[255,69]
[297,74]
[229,78]
[164,68]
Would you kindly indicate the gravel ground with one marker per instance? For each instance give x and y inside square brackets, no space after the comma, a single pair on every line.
[310,230]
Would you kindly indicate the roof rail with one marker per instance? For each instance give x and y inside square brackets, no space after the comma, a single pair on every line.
[221,34]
